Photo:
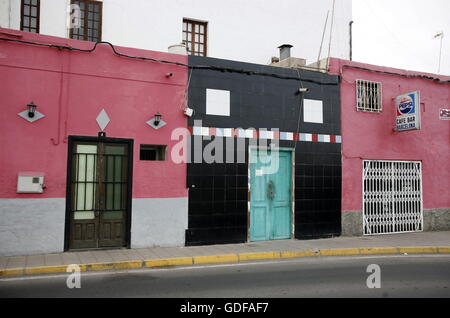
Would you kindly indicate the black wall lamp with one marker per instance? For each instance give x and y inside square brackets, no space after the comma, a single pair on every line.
[30,114]
[31,109]
[157,119]
[303,90]
[156,122]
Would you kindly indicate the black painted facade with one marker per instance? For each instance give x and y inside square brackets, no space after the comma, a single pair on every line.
[218,192]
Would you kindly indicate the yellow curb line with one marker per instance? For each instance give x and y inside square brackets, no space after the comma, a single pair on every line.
[378,250]
[444,250]
[45,270]
[177,261]
[339,252]
[113,265]
[258,256]
[226,258]
[298,254]
[12,272]
[418,250]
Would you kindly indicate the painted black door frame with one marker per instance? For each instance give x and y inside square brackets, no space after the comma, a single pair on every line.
[71,141]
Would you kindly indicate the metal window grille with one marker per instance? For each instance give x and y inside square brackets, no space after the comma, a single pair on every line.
[86,183]
[392,197]
[368,96]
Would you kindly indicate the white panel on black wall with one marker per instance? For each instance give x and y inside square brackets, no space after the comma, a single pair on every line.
[217,102]
[313,111]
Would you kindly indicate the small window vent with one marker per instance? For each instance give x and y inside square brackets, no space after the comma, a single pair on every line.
[153,153]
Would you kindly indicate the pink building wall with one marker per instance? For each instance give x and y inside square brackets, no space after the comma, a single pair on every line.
[70,89]
[372,135]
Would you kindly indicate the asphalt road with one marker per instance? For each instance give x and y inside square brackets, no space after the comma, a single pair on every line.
[401,276]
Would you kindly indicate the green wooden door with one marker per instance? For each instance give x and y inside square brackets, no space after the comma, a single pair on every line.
[270,197]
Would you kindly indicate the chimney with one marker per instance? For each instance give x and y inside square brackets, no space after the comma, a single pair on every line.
[286,60]
[285,51]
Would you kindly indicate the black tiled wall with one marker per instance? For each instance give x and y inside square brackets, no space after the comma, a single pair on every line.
[218,195]
[317,190]
[218,192]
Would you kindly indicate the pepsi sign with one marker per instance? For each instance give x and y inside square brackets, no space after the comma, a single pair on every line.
[406,105]
[408,111]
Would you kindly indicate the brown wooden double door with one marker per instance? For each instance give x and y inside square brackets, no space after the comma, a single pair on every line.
[99,194]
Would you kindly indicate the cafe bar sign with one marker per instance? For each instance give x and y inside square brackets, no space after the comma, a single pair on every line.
[408,111]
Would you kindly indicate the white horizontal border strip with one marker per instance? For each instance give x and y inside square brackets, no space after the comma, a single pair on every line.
[264,134]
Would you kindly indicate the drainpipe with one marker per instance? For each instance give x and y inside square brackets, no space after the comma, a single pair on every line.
[62,99]
[57,140]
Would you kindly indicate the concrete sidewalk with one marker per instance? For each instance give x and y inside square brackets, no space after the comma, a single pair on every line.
[424,242]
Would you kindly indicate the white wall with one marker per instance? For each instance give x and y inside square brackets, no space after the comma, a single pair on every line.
[4,13]
[32,226]
[159,222]
[54,17]
[239,30]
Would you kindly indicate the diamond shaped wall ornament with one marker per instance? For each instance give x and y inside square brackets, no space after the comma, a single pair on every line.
[103,119]
[161,123]
[37,116]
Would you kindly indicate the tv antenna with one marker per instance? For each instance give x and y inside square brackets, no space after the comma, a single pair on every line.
[439,35]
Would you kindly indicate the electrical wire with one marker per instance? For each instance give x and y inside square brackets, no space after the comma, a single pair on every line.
[300,111]
[186,91]
[220,69]
[232,70]
[198,67]
[435,79]
[400,43]
[70,48]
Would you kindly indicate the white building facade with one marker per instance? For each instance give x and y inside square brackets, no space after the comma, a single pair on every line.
[248,31]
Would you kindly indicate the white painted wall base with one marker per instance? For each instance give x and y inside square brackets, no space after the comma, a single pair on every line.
[36,226]
[32,226]
[159,222]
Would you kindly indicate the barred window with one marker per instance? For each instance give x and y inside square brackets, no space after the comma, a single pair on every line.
[90,26]
[29,20]
[368,96]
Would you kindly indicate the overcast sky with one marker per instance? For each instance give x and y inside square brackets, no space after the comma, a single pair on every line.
[399,33]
